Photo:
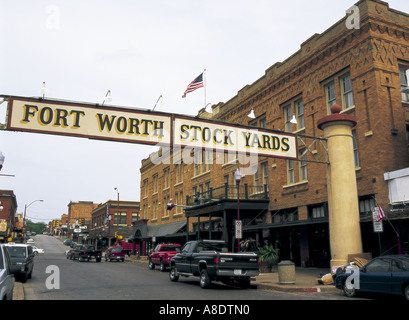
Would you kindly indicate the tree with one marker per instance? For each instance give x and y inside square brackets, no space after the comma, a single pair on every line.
[37,227]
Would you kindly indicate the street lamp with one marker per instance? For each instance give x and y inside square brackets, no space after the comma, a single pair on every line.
[237,176]
[117,213]
[25,210]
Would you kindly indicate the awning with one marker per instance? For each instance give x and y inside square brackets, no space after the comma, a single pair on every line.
[165,230]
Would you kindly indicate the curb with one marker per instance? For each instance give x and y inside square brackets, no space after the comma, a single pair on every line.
[18,291]
[296,289]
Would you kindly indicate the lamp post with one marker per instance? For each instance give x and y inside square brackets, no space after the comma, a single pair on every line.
[24,217]
[237,176]
[117,215]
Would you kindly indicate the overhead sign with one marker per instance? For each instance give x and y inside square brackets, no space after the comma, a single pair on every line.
[144,127]
[214,135]
[97,122]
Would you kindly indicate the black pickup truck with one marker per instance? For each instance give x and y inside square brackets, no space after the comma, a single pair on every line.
[85,253]
[210,261]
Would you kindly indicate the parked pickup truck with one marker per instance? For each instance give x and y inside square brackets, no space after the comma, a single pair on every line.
[85,253]
[210,261]
[162,254]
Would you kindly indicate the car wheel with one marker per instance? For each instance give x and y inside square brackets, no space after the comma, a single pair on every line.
[162,267]
[151,265]
[173,274]
[349,292]
[406,292]
[205,281]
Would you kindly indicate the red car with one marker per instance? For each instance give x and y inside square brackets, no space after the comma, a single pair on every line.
[162,254]
[115,253]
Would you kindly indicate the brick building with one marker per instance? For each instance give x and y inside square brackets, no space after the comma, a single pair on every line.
[112,218]
[8,209]
[285,202]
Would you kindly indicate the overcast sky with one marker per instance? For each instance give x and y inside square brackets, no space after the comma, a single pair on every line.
[139,50]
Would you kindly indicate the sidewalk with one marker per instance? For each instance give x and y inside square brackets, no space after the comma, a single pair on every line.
[306,280]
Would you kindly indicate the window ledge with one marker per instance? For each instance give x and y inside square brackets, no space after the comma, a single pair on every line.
[295,184]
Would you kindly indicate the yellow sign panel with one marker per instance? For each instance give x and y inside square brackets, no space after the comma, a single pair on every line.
[214,135]
[88,121]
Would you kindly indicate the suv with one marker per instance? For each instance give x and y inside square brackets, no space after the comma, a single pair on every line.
[6,276]
[22,259]
[114,253]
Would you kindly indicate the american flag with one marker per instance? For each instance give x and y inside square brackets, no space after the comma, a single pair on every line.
[381,214]
[195,84]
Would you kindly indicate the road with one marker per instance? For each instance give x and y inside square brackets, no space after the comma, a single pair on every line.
[57,278]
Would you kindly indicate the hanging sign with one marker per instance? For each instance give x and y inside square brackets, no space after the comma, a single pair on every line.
[144,127]
[81,120]
[377,226]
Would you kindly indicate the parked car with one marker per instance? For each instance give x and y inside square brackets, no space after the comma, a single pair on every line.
[69,253]
[162,254]
[86,253]
[67,242]
[115,253]
[385,274]
[37,250]
[6,276]
[22,259]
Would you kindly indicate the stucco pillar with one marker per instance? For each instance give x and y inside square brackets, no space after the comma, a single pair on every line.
[344,227]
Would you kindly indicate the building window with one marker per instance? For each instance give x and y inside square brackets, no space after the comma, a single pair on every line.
[355,145]
[339,88]
[302,156]
[260,122]
[403,75]
[294,107]
[166,200]
[290,171]
[287,118]
[166,175]
[208,156]
[299,113]
[330,95]
[264,172]
[122,218]
[255,178]
[155,183]
[155,210]
[346,91]
[366,205]
[318,212]
[145,186]
[135,216]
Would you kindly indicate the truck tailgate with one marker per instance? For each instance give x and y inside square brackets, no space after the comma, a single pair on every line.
[244,261]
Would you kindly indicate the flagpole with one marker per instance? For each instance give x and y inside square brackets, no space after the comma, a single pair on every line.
[204,82]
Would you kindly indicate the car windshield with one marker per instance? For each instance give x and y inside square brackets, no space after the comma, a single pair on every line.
[17,252]
[116,250]
[171,248]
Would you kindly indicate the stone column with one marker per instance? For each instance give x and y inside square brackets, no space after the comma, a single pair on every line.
[344,226]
